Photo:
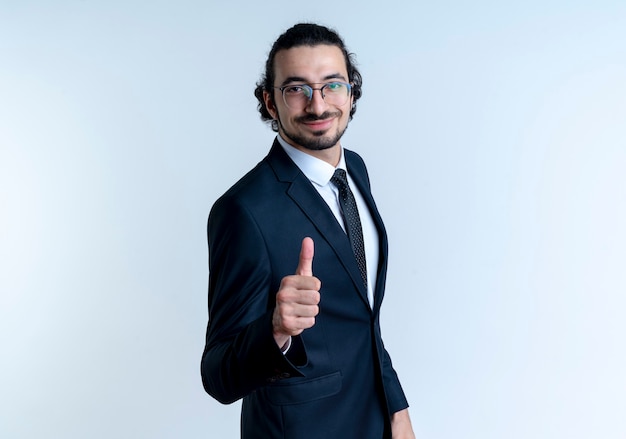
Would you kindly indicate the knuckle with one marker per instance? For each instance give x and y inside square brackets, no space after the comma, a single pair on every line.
[288,323]
[285,294]
[287,282]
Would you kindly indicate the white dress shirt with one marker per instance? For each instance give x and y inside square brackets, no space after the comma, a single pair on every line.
[319,174]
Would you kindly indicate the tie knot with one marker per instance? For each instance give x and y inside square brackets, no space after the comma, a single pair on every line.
[340,178]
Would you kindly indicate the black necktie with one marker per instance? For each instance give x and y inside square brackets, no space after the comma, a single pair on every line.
[351,220]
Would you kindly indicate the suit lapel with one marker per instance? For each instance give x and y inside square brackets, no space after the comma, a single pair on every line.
[358,173]
[302,192]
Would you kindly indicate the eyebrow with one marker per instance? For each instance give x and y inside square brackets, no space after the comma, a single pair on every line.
[291,79]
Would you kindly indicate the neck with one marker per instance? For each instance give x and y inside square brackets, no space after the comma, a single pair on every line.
[329,155]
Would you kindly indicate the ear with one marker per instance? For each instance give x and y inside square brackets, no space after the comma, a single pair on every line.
[269,104]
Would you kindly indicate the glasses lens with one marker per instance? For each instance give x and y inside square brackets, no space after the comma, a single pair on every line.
[336,93]
[298,96]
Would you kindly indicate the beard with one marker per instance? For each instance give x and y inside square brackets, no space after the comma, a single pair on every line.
[319,141]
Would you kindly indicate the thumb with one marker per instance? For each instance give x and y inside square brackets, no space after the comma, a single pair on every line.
[305,264]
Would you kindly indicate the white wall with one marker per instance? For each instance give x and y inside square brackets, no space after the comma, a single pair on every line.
[501,126]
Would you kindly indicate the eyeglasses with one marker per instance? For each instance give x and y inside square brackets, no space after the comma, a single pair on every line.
[298,96]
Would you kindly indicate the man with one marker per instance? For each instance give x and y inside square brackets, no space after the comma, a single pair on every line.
[303,350]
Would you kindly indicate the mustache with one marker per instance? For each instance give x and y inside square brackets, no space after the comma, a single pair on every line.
[314,117]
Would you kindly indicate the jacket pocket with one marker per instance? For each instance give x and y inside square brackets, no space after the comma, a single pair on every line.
[302,391]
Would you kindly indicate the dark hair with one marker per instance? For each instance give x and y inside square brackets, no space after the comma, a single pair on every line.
[305,34]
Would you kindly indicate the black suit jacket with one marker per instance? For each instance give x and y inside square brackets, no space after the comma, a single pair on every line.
[337,380]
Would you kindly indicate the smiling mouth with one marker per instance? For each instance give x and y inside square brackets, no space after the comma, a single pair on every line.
[320,122]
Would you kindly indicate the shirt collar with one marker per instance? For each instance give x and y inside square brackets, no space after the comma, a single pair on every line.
[316,170]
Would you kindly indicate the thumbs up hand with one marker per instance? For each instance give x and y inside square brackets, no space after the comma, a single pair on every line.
[297,299]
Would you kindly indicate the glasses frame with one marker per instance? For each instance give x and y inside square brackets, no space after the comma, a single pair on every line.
[312,90]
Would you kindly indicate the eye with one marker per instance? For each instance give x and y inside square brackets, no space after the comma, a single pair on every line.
[335,87]
[293,89]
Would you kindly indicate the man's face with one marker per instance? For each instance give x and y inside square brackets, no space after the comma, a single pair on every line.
[317,125]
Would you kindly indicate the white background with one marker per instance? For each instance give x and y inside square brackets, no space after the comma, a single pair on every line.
[495,137]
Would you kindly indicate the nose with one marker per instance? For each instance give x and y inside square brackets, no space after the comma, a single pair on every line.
[317,104]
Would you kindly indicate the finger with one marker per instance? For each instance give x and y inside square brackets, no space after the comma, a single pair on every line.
[299,293]
[307,311]
[296,325]
[305,264]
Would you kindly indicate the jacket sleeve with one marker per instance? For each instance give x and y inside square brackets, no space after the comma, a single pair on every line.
[240,354]
[396,400]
